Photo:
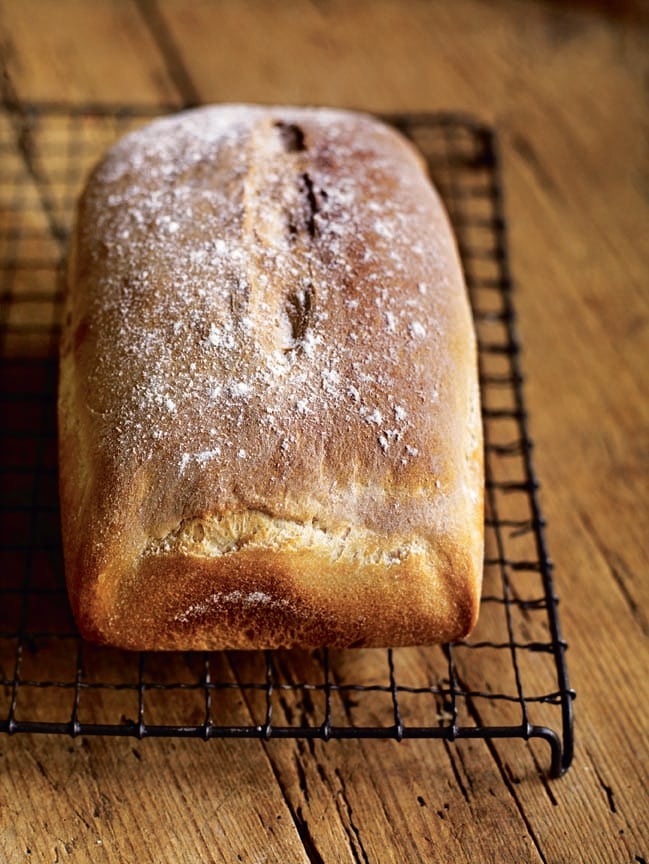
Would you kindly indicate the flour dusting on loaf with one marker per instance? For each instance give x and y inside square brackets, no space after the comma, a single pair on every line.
[269,420]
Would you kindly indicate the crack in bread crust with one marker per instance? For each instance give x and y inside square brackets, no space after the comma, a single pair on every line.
[215,536]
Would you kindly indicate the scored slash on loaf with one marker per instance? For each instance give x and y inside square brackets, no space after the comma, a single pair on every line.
[269,415]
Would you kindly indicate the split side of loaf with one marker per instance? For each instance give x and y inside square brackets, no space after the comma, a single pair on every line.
[269,412]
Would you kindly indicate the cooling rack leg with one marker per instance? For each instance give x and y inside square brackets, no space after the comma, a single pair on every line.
[557,765]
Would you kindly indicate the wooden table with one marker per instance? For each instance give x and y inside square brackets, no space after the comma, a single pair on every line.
[565,86]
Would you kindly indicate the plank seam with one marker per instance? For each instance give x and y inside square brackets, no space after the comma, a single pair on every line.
[614,569]
[169,50]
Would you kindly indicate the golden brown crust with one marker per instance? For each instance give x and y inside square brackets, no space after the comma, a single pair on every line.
[269,421]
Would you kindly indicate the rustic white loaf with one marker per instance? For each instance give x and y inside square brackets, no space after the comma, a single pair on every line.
[269,413]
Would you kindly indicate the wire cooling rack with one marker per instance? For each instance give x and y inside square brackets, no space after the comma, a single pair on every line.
[509,681]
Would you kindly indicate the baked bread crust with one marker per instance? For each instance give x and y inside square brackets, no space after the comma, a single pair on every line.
[269,413]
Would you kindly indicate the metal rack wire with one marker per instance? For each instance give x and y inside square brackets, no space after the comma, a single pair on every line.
[509,681]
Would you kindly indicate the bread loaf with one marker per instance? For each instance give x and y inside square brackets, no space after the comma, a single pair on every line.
[269,412]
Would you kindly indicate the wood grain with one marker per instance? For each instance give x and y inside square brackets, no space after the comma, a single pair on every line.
[565,85]
[81,51]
